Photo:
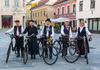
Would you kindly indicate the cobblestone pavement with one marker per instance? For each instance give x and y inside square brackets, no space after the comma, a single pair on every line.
[38,64]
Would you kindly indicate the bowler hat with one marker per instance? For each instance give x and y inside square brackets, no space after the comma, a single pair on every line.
[48,20]
[31,21]
[17,21]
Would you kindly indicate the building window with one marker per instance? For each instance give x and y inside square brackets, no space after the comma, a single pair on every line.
[41,23]
[57,11]
[68,9]
[38,23]
[95,24]
[74,7]
[30,6]
[35,15]
[81,6]
[27,7]
[30,15]
[44,24]
[23,3]
[62,10]
[27,15]
[99,24]
[38,14]
[44,13]
[74,23]
[90,24]
[92,4]
[7,3]
[16,3]
[41,13]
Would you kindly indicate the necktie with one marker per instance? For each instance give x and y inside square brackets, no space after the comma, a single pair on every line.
[67,28]
[48,30]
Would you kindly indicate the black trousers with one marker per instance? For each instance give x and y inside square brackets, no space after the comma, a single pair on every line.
[46,51]
[65,46]
[19,44]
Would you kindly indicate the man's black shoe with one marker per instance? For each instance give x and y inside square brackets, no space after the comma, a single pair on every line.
[46,56]
[22,54]
[85,56]
[18,55]
[31,57]
[50,56]
[34,57]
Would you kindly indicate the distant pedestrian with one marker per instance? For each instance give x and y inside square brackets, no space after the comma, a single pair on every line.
[35,24]
[40,28]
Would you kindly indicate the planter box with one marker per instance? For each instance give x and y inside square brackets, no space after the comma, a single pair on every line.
[57,31]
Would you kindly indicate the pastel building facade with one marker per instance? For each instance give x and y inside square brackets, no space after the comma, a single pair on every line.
[66,9]
[89,12]
[11,10]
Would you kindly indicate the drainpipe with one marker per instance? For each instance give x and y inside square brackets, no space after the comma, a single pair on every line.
[31,14]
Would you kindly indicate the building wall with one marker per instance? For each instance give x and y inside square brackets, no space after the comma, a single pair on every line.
[28,12]
[87,12]
[65,7]
[0,23]
[42,18]
[49,13]
[16,12]
[71,15]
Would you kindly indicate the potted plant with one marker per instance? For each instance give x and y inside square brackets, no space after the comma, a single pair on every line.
[57,28]
[38,26]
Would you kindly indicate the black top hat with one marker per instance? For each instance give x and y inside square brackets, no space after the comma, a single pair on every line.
[48,20]
[17,21]
[31,21]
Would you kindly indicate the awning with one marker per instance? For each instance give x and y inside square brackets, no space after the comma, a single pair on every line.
[61,19]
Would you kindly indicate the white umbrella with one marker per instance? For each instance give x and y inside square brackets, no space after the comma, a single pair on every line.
[61,19]
[53,20]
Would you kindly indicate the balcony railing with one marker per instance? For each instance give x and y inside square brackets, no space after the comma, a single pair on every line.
[68,15]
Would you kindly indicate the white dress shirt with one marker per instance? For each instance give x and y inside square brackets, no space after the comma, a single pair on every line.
[81,28]
[40,27]
[12,29]
[47,33]
[35,25]
[70,32]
